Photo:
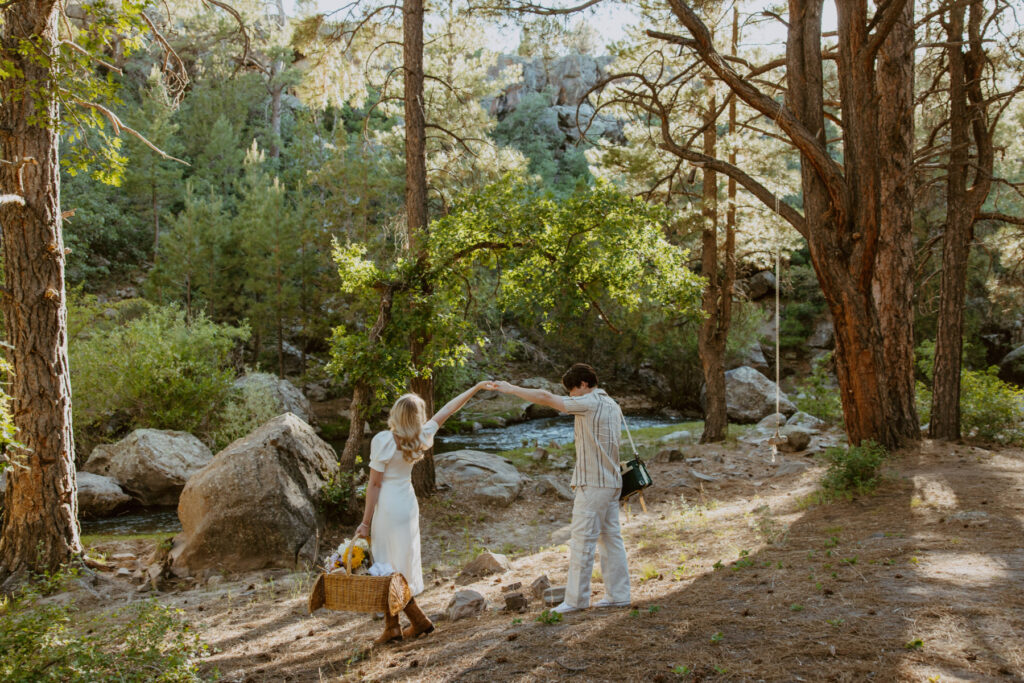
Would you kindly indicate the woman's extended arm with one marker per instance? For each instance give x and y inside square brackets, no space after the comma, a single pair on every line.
[372,493]
[453,405]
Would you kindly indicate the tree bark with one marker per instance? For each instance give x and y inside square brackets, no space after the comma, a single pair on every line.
[40,530]
[714,328]
[361,394]
[968,123]
[416,203]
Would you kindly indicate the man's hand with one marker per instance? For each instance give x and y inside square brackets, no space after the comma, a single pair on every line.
[504,387]
[486,385]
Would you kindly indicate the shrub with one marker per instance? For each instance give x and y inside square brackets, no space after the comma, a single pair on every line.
[148,366]
[853,470]
[145,641]
[818,394]
[990,408]
[245,410]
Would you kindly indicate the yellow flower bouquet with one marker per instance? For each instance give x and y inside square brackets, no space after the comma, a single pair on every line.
[358,551]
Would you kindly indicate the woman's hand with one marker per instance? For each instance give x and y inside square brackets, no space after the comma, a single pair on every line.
[363,530]
[486,385]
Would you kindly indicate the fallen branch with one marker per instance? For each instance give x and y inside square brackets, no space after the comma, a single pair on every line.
[119,126]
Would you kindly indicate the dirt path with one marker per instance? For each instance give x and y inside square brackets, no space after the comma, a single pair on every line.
[921,582]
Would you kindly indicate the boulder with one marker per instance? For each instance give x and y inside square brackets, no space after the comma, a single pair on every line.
[771,422]
[797,438]
[516,602]
[824,335]
[465,603]
[151,464]
[256,504]
[572,76]
[681,435]
[479,476]
[535,411]
[1011,367]
[98,496]
[806,421]
[752,355]
[487,563]
[750,396]
[555,388]
[286,396]
[760,284]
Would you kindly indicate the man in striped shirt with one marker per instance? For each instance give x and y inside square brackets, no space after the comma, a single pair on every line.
[597,481]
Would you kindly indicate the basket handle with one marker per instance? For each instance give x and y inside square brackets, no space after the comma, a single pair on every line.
[349,554]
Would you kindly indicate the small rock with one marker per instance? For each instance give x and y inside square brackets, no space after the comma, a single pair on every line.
[669,455]
[214,581]
[551,484]
[476,427]
[797,439]
[554,596]
[437,616]
[539,585]
[465,603]
[516,602]
[123,558]
[539,455]
[561,464]
[512,587]
[702,476]
[487,563]
[123,571]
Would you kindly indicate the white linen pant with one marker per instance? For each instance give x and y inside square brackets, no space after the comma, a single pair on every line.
[595,526]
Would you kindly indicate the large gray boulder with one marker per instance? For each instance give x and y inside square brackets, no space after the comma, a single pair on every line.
[99,496]
[1011,367]
[286,396]
[256,504]
[760,285]
[548,385]
[479,476]
[824,335]
[151,464]
[807,422]
[750,396]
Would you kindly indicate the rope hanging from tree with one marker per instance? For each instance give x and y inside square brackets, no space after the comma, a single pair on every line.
[777,439]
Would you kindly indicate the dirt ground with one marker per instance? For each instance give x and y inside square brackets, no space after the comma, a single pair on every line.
[736,579]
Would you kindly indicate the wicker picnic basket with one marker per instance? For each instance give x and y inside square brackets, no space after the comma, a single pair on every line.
[358,593]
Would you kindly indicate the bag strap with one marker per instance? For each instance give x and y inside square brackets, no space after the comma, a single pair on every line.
[631,444]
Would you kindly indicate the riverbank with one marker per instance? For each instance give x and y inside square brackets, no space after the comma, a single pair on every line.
[737,578]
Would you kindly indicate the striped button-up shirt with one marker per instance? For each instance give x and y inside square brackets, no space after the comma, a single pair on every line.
[598,431]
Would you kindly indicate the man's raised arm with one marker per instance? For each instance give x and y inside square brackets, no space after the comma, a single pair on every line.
[544,398]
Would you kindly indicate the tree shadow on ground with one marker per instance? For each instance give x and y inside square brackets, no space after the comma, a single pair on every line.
[891,587]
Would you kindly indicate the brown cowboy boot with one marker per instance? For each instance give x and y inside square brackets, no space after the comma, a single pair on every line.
[392,630]
[419,621]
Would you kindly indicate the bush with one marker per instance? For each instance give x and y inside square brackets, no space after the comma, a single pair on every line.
[853,470]
[147,366]
[145,641]
[245,410]
[818,394]
[990,409]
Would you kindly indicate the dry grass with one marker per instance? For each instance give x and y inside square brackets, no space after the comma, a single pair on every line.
[734,580]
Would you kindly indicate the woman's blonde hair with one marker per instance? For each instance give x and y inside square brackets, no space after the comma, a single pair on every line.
[405,422]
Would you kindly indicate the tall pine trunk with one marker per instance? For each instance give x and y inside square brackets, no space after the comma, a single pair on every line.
[40,530]
[967,118]
[860,236]
[713,329]
[416,204]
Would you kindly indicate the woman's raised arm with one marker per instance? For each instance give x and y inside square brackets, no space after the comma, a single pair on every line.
[452,406]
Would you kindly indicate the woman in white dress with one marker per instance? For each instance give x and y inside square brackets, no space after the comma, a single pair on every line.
[392,515]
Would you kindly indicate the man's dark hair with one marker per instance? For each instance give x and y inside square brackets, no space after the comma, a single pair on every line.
[577,375]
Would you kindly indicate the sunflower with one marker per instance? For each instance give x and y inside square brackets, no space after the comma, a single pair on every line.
[357,556]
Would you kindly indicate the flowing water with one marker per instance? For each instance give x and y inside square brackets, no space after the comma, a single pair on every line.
[534,432]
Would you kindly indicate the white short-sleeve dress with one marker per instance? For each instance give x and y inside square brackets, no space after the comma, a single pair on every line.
[395,530]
